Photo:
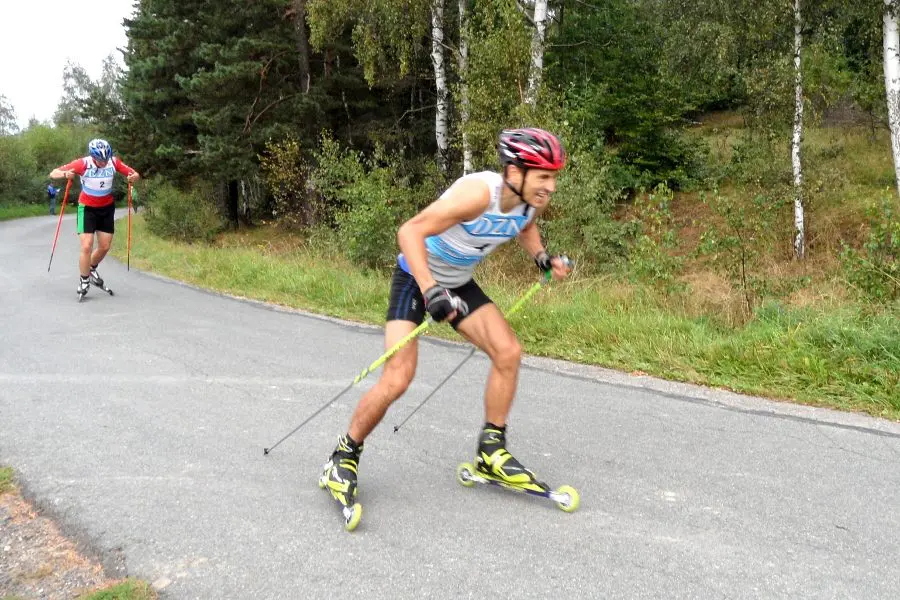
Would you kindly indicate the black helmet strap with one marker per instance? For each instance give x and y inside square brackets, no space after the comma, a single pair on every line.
[517,192]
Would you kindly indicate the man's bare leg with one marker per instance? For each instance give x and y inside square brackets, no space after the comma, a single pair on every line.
[104,241]
[340,472]
[489,331]
[398,372]
[84,258]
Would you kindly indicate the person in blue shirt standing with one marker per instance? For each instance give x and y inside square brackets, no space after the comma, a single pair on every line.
[51,197]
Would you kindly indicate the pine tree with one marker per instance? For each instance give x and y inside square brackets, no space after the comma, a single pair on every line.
[158,131]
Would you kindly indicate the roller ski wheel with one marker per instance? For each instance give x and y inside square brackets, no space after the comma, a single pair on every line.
[352,516]
[352,513]
[97,281]
[105,289]
[570,502]
[464,475]
[565,497]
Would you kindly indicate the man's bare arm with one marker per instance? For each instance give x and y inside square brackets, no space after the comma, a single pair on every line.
[463,202]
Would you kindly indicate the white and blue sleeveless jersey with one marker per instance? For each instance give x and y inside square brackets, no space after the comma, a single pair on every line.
[454,254]
[97,181]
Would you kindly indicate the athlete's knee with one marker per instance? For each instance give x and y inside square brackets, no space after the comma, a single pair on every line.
[87,245]
[396,378]
[507,353]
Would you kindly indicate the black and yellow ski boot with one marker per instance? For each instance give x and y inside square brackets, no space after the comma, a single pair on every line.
[493,460]
[339,477]
[495,465]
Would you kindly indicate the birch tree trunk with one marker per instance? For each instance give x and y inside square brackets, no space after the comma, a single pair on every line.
[537,52]
[440,81]
[799,229]
[302,43]
[892,79]
[464,84]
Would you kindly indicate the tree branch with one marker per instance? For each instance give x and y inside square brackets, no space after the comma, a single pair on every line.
[262,78]
[524,11]
[249,126]
[413,110]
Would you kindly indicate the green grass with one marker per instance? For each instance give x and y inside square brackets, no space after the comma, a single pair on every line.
[18,211]
[130,589]
[301,279]
[7,483]
[827,356]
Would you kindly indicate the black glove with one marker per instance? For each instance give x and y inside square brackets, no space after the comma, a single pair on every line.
[542,260]
[440,303]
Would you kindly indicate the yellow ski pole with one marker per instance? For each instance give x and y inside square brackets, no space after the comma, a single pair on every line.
[362,375]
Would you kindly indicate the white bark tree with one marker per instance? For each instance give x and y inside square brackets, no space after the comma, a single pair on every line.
[463,64]
[799,228]
[537,52]
[892,78]
[441,118]
[8,124]
[299,7]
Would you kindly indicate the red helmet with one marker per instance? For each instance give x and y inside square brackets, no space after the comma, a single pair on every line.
[531,149]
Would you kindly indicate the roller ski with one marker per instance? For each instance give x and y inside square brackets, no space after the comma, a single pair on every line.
[97,281]
[339,479]
[494,465]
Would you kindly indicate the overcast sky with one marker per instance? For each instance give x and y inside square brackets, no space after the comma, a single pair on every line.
[39,36]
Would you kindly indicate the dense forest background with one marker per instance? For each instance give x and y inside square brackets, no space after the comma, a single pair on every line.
[731,159]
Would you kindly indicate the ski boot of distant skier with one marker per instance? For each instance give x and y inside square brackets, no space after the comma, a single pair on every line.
[97,281]
[84,284]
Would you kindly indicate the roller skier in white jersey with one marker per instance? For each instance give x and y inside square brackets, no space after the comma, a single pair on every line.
[440,248]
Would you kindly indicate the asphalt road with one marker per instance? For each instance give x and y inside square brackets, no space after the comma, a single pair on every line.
[138,421]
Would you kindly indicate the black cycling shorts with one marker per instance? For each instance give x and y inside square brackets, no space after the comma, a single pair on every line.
[92,219]
[408,304]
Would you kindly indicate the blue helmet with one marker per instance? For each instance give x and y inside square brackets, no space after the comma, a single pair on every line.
[100,149]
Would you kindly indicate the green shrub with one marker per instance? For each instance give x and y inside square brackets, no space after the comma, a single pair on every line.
[286,173]
[27,158]
[652,257]
[875,270]
[177,215]
[737,238]
[760,160]
[370,199]
[580,219]
[17,171]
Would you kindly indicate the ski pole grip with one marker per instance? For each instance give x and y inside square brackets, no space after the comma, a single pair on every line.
[548,273]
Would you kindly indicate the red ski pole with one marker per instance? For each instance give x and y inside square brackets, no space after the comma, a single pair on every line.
[62,210]
[129,225]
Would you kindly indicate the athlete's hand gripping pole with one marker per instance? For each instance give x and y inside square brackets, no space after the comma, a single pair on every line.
[62,211]
[548,274]
[460,306]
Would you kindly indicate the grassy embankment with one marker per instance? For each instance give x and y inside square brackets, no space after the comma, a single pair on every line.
[17,211]
[813,342]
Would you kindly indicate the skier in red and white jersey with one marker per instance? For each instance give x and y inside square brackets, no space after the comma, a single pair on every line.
[96,207]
